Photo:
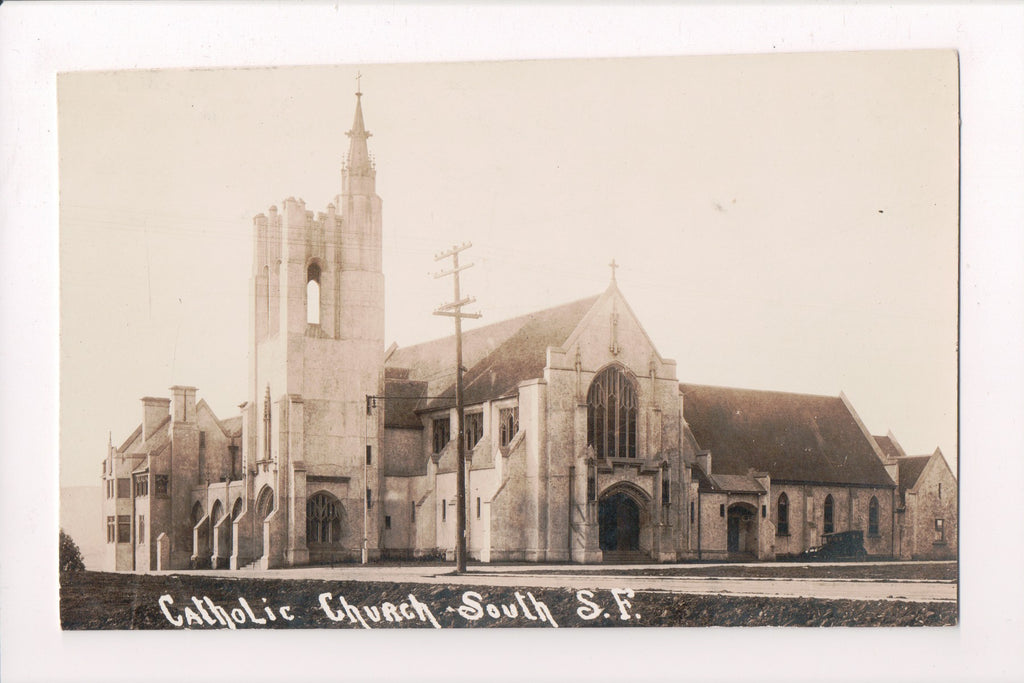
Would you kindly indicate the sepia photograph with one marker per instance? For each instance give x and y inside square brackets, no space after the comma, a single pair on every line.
[647,343]
[705,311]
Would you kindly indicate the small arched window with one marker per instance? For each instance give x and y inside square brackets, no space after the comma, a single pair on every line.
[215,515]
[782,510]
[323,519]
[829,525]
[197,513]
[873,517]
[611,415]
[313,294]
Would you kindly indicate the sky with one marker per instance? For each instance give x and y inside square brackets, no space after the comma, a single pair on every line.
[784,222]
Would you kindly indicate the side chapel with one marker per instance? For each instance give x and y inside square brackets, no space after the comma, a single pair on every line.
[582,444]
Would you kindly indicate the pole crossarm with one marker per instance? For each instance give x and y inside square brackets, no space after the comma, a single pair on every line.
[452,271]
[453,314]
[457,304]
[454,250]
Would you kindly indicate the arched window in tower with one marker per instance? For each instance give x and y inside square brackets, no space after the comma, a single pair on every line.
[829,526]
[782,510]
[313,294]
[611,415]
[873,517]
[323,519]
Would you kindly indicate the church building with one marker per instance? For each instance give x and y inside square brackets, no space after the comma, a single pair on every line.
[582,444]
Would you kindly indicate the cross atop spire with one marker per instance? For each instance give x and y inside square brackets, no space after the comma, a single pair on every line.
[359,88]
[613,265]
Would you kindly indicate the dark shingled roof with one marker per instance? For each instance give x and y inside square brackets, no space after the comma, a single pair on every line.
[887,446]
[911,467]
[497,357]
[232,426]
[793,437]
[400,402]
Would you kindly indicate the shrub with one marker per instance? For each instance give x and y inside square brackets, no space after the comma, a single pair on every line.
[70,555]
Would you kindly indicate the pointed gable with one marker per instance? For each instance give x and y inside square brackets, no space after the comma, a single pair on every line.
[888,446]
[911,467]
[792,437]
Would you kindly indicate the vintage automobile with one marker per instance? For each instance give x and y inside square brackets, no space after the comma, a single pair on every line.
[842,545]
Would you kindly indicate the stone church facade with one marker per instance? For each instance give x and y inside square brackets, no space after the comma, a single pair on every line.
[582,444]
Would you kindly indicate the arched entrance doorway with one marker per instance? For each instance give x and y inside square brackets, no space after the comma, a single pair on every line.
[742,529]
[621,517]
[200,538]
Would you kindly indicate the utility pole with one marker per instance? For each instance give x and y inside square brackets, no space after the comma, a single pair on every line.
[454,310]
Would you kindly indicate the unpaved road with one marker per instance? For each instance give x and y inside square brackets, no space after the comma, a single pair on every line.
[576,576]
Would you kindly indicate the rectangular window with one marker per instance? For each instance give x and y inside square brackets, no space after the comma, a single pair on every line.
[509,419]
[474,429]
[369,454]
[442,433]
[691,512]
[940,491]
[940,531]
[142,529]
[764,511]
[721,510]
[124,529]
[591,482]
[111,529]
[369,499]
[161,486]
[124,488]
[412,511]
[478,507]
[444,511]
[665,491]
[387,521]
[141,485]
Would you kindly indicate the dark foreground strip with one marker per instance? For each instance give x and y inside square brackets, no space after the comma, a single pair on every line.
[97,600]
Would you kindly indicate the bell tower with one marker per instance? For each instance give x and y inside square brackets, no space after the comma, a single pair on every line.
[316,352]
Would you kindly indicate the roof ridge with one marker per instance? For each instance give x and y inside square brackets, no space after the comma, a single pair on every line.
[759,391]
[525,317]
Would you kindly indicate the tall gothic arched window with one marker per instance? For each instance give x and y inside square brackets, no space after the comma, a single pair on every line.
[782,510]
[829,525]
[873,517]
[323,519]
[611,415]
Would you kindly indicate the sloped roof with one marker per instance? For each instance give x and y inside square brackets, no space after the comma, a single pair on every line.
[497,357]
[232,426]
[402,397]
[793,437]
[911,467]
[887,446]
[157,440]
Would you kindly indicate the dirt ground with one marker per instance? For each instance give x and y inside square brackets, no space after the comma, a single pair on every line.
[98,600]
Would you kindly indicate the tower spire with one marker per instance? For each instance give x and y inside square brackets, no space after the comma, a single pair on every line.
[358,163]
